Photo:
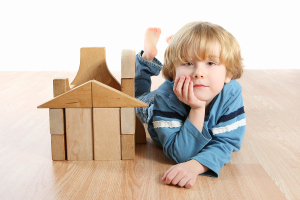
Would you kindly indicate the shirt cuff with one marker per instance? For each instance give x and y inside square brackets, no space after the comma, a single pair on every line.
[203,137]
[212,172]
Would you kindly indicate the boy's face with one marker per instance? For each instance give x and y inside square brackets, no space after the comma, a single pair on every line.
[208,77]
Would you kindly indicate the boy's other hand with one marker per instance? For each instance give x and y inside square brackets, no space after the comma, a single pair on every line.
[184,174]
[183,88]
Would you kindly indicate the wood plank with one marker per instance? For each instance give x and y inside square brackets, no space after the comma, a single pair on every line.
[93,67]
[79,97]
[57,121]
[104,96]
[128,63]
[107,144]
[127,86]
[128,120]
[128,147]
[79,133]
[58,147]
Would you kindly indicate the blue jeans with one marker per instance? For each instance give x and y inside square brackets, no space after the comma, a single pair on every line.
[144,70]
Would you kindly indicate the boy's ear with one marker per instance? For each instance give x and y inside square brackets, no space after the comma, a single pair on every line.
[228,78]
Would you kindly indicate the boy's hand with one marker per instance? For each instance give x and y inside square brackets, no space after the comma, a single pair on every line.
[183,88]
[184,174]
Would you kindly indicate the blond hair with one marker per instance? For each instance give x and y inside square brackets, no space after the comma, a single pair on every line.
[199,39]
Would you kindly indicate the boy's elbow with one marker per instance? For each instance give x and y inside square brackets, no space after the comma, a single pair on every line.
[177,155]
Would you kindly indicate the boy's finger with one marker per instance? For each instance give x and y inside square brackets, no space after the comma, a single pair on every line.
[179,86]
[167,172]
[186,88]
[179,176]
[175,84]
[183,181]
[191,90]
[169,178]
[190,183]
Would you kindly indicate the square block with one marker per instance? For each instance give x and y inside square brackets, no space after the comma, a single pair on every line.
[127,86]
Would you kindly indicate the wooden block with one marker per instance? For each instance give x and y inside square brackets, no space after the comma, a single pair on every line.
[128,147]
[79,134]
[107,97]
[58,147]
[93,67]
[127,86]
[107,144]
[79,97]
[128,63]
[57,121]
[127,121]
[60,86]
[140,134]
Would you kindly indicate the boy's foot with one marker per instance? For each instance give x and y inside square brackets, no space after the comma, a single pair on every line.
[150,41]
[169,38]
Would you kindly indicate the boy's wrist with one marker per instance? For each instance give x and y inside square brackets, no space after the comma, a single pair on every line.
[198,109]
[200,168]
[197,116]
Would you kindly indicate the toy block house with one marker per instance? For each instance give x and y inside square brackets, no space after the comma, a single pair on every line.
[94,118]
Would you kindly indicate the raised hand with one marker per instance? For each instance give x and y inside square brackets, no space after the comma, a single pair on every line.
[183,88]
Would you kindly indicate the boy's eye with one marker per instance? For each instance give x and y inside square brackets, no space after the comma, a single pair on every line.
[188,64]
[210,63]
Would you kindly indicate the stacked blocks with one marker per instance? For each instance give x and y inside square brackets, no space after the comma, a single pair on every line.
[94,118]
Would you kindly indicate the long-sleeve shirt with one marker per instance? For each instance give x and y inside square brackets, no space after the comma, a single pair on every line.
[222,133]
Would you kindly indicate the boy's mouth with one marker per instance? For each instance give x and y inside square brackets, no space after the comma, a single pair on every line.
[199,86]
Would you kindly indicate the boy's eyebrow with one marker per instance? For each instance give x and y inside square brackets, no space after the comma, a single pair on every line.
[214,57]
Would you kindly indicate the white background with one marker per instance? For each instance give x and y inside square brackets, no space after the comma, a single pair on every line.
[38,35]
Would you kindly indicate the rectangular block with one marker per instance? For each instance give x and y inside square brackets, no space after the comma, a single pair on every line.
[127,86]
[79,133]
[128,63]
[140,133]
[58,147]
[57,121]
[128,147]
[107,144]
[127,120]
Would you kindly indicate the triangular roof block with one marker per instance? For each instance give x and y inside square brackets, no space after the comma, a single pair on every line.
[93,94]
[108,97]
[78,97]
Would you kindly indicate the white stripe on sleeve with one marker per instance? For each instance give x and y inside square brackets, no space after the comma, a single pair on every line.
[167,124]
[230,127]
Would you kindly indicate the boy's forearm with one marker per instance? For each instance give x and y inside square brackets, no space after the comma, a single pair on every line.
[197,116]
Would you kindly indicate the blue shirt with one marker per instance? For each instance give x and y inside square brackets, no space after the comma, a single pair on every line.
[222,133]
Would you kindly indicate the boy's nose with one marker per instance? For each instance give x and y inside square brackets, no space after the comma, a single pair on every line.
[199,73]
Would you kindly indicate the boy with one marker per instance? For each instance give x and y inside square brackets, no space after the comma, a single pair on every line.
[197,115]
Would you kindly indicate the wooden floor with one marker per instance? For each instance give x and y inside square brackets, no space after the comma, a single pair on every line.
[267,167]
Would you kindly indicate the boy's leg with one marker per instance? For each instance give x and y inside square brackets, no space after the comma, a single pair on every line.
[147,65]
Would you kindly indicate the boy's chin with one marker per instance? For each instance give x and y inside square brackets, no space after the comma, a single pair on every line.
[201,98]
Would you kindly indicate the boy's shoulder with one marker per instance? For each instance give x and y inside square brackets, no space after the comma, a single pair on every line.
[230,98]
[232,87]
